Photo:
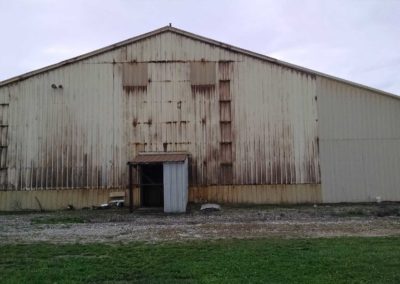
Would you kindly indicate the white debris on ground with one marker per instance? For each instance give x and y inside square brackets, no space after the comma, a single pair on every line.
[118,225]
[208,207]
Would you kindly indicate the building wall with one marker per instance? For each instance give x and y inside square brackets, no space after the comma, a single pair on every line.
[257,124]
[359,143]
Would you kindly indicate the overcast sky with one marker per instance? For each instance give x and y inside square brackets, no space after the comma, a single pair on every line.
[357,40]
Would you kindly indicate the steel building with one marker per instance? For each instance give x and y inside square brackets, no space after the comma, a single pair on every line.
[199,120]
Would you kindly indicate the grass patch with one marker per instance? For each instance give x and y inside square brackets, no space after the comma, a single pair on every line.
[357,212]
[57,220]
[379,210]
[20,212]
[338,260]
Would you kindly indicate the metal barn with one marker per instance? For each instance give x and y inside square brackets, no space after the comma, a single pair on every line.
[247,128]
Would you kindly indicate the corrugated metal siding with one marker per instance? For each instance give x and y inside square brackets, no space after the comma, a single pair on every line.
[275,125]
[256,125]
[175,187]
[66,138]
[359,142]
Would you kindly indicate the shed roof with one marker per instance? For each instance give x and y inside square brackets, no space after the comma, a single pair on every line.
[159,157]
[195,37]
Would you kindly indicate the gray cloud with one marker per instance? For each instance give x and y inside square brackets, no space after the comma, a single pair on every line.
[356,40]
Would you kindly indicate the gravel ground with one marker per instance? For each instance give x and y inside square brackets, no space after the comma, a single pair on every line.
[118,225]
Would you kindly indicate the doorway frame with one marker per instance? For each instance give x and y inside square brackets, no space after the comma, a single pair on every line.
[160,158]
[141,184]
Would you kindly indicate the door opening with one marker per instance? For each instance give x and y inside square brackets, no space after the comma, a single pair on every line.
[151,181]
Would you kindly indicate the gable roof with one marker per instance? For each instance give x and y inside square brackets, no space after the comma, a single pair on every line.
[194,37]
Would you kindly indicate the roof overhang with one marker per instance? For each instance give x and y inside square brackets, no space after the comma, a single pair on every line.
[159,157]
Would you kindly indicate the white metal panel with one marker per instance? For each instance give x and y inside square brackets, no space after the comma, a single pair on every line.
[175,187]
[275,122]
[359,143]
[65,137]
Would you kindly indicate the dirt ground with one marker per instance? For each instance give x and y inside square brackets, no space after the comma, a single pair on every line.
[118,225]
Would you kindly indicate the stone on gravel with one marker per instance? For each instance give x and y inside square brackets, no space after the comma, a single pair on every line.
[208,207]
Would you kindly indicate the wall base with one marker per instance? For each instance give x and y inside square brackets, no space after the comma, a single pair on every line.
[257,194]
[80,198]
[53,199]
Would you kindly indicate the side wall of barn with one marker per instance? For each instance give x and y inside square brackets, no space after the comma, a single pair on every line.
[359,136]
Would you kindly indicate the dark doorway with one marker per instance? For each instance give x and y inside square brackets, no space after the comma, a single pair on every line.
[151,180]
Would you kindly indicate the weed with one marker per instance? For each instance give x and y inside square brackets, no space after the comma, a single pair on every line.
[384,211]
[355,212]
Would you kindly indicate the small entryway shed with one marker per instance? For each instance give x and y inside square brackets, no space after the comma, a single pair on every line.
[162,179]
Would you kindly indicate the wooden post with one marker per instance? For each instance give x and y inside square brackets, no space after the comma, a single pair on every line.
[130,189]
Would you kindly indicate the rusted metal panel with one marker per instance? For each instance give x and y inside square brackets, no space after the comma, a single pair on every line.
[225,70]
[224,90]
[146,158]
[134,75]
[226,175]
[226,155]
[203,73]
[226,171]
[4,130]
[225,111]
[359,143]
[226,132]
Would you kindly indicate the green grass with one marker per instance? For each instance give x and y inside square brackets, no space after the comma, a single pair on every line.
[57,220]
[338,260]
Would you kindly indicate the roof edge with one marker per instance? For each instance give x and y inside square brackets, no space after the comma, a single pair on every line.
[83,56]
[199,38]
[280,62]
